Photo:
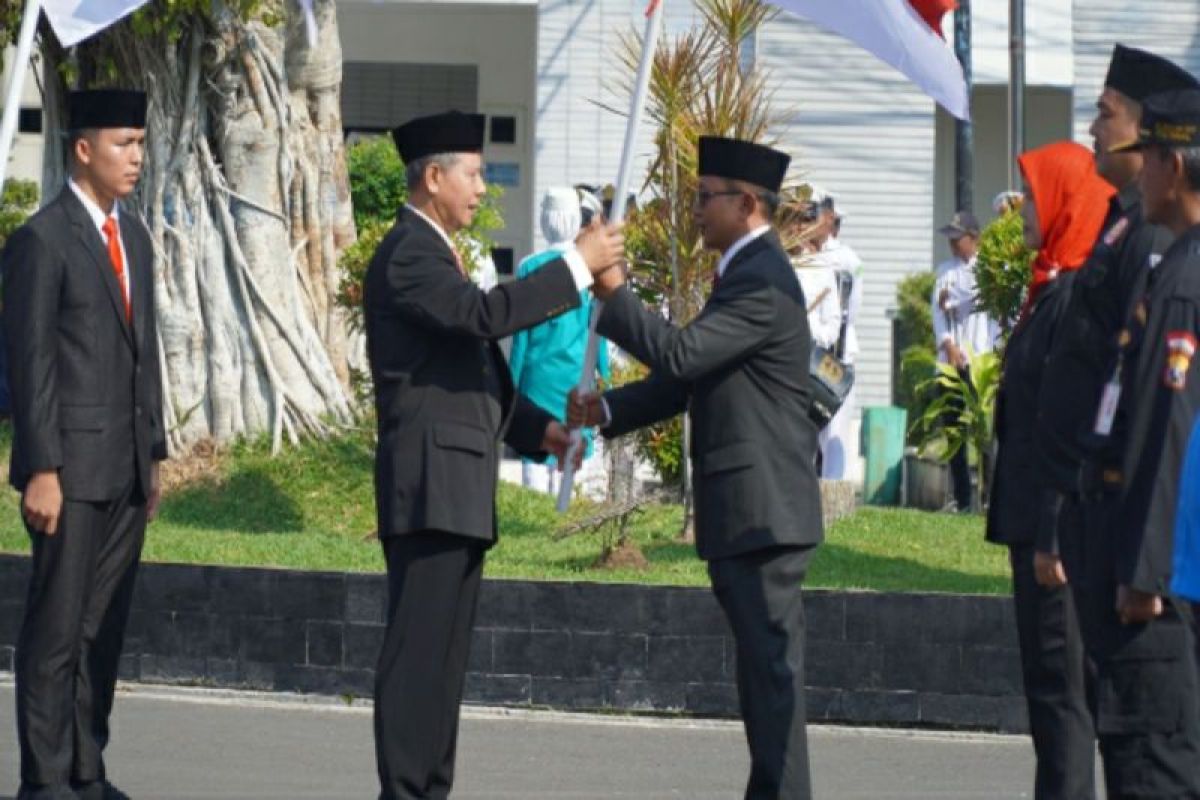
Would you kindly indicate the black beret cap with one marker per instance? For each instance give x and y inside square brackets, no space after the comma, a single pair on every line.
[740,160]
[448,132]
[1138,74]
[106,108]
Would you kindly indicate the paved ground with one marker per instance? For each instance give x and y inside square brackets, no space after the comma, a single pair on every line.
[173,744]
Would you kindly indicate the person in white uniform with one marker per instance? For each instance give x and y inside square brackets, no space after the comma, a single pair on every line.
[960,328]
[840,259]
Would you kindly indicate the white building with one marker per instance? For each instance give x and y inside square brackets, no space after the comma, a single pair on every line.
[543,72]
[854,125]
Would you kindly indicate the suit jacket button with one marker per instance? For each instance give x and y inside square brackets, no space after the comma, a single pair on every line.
[138,410]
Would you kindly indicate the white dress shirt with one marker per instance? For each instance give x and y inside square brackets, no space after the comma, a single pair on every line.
[737,247]
[98,217]
[819,284]
[960,322]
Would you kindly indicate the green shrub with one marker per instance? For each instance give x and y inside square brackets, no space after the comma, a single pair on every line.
[1003,268]
[914,338]
[17,202]
[660,445]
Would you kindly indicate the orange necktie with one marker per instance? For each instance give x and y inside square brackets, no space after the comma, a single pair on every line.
[118,263]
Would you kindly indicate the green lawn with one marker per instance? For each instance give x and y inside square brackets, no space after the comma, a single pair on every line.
[312,508]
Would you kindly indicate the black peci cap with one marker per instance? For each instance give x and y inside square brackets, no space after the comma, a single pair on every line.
[448,132]
[1138,74]
[106,108]
[740,160]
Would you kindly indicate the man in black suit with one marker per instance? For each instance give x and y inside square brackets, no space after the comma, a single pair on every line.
[445,403]
[741,369]
[87,421]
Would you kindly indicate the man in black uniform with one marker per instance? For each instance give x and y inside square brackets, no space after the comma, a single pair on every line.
[87,420]
[1159,400]
[444,399]
[741,369]
[1071,456]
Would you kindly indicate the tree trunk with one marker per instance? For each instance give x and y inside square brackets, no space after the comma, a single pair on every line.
[246,196]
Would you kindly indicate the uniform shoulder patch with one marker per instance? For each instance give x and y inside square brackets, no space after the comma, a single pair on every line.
[1118,229]
[1181,346]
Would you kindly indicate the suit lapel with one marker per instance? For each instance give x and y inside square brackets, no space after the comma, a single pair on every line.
[142,270]
[752,249]
[89,240]
[426,229]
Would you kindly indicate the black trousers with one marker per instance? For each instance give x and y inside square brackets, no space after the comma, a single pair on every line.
[1147,689]
[1059,683]
[760,594]
[433,588]
[69,648]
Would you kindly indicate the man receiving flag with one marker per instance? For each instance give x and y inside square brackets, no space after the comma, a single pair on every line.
[741,367]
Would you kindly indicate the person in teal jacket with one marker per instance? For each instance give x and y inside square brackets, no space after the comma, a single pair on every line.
[546,360]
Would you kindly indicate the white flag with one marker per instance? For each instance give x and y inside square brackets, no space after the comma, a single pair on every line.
[895,33]
[75,20]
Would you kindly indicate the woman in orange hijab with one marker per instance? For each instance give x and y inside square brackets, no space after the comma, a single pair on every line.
[1064,210]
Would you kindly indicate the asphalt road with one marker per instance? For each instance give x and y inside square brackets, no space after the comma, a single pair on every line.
[181,744]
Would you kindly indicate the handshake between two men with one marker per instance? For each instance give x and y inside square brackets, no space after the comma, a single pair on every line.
[602,247]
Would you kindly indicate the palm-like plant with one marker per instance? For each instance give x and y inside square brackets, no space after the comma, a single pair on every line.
[699,86]
[973,402]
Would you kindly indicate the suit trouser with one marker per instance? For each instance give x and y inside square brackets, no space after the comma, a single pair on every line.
[1059,683]
[760,594]
[1147,689]
[69,648]
[433,588]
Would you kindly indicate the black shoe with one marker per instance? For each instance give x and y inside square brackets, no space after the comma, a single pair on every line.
[100,790]
[27,792]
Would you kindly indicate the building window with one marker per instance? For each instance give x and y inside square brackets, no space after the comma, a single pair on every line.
[378,96]
[29,120]
[504,130]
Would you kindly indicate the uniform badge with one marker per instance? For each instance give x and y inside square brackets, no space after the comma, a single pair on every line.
[1116,231]
[1140,313]
[1181,346]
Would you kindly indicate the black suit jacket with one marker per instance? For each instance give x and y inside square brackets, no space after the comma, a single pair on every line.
[1014,514]
[86,388]
[444,397]
[741,368]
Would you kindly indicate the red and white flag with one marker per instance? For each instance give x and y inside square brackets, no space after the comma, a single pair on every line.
[76,20]
[906,34]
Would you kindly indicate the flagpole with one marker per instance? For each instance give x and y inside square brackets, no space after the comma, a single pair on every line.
[1016,88]
[16,83]
[637,105]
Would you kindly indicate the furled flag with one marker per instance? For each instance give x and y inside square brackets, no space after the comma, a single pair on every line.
[310,22]
[905,34]
[76,20]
